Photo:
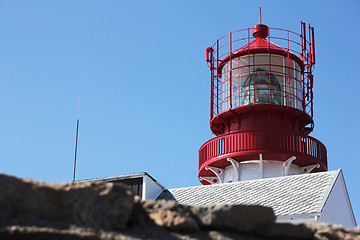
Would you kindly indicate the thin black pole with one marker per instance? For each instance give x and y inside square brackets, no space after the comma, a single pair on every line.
[77,134]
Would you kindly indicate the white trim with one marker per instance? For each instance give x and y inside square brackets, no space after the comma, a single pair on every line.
[308,169]
[299,217]
[209,180]
[327,193]
[143,192]
[235,165]
[261,169]
[219,172]
[287,165]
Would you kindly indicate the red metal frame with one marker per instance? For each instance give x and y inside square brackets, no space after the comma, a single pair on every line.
[277,131]
[240,145]
[298,48]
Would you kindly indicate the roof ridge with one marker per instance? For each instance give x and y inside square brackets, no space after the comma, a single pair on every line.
[262,179]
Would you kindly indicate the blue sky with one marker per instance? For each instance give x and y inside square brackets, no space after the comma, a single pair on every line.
[139,67]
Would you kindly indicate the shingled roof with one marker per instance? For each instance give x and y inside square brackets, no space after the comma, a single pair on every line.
[290,195]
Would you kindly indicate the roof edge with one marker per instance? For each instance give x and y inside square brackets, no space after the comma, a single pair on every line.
[262,179]
[127,176]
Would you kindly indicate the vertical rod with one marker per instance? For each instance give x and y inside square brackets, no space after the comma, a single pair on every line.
[313,45]
[288,65]
[304,31]
[217,77]
[269,76]
[212,84]
[260,14]
[77,134]
[302,40]
[302,71]
[249,69]
[261,166]
[303,92]
[310,63]
[230,82]
[310,50]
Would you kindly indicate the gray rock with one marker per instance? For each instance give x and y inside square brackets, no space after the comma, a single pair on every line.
[153,206]
[46,233]
[104,211]
[324,231]
[172,215]
[239,218]
[285,231]
[174,221]
[107,206]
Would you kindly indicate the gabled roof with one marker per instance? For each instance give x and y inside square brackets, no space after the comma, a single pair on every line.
[122,177]
[289,195]
[114,178]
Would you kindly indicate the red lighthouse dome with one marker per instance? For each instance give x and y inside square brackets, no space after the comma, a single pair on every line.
[261,106]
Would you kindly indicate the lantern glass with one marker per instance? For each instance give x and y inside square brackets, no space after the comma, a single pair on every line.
[261,79]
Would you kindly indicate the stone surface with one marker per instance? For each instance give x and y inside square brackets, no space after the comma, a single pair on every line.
[153,206]
[107,206]
[285,231]
[239,218]
[323,231]
[35,210]
[172,215]
[174,220]
[45,233]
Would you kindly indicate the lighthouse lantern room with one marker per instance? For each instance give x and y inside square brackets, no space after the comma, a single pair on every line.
[261,106]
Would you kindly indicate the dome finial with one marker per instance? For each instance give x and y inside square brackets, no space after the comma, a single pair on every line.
[260,31]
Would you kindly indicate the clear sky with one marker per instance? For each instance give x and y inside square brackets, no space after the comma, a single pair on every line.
[139,67]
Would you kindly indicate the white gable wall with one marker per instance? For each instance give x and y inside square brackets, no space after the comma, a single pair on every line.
[337,208]
[151,189]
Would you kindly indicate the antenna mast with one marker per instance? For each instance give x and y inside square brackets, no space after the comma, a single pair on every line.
[77,134]
[260,14]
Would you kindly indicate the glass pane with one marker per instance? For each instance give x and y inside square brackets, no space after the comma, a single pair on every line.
[261,79]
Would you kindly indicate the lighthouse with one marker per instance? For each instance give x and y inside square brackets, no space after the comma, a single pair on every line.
[261,108]
[261,112]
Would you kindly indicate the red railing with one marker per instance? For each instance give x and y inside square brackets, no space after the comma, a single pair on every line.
[274,141]
[292,42]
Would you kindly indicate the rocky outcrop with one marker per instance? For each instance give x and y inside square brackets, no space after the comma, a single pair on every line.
[236,218]
[107,206]
[35,210]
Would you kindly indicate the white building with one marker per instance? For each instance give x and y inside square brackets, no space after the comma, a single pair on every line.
[297,198]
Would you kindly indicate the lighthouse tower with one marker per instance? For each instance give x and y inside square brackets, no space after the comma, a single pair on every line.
[261,108]
[262,114]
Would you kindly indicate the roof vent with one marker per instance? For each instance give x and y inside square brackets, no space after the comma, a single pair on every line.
[260,31]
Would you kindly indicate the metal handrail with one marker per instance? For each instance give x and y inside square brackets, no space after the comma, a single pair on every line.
[262,140]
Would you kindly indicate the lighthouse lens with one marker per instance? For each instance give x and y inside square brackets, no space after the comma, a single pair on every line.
[261,87]
[259,79]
